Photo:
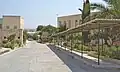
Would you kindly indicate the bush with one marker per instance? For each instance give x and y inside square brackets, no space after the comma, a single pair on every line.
[4,41]
[11,37]
[65,44]
[12,44]
[0,44]
[7,45]
[115,55]
[115,52]
[110,52]
[85,48]
[18,42]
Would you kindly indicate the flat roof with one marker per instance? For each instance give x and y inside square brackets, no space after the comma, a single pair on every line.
[69,15]
[11,16]
[93,24]
[75,15]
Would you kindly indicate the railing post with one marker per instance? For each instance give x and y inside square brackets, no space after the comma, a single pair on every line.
[99,45]
[102,40]
[65,42]
[71,42]
[82,45]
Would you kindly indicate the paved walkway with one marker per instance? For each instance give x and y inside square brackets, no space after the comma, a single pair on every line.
[33,58]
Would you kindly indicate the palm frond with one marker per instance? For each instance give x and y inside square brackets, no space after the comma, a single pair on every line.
[98,6]
[106,1]
[112,10]
[93,8]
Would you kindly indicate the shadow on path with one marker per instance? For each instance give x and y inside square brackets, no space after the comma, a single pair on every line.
[74,64]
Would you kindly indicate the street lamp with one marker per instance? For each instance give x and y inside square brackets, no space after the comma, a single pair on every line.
[80,9]
[56,20]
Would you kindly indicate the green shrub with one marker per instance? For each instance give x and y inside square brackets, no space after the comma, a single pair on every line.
[85,48]
[11,37]
[115,55]
[65,44]
[7,45]
[78,47]
[0,44]
[18,42]
[11,44]
[110,52]
[4,41]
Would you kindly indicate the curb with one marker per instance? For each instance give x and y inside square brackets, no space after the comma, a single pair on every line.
[75,56]
[5,51]
[9,51]
[104,67]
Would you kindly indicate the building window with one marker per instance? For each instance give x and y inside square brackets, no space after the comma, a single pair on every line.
[5,37]
[7,27]
[65,22]
[69,24]
[76,22]
[18,37]
[80,21]
[15,27]
[59,22]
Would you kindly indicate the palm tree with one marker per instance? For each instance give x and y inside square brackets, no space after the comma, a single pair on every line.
[111,10]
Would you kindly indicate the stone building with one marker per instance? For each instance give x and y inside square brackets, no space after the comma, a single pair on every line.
[11,25]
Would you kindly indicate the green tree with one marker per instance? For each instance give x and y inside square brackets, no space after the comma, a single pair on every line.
[50,29]
[39,28]
[42,29]
[86,10]
[40,33]
[35,36]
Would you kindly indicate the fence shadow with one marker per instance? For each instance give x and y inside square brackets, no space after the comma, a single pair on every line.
[68,58]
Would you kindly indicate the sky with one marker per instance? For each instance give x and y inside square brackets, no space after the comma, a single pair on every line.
[41,12]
